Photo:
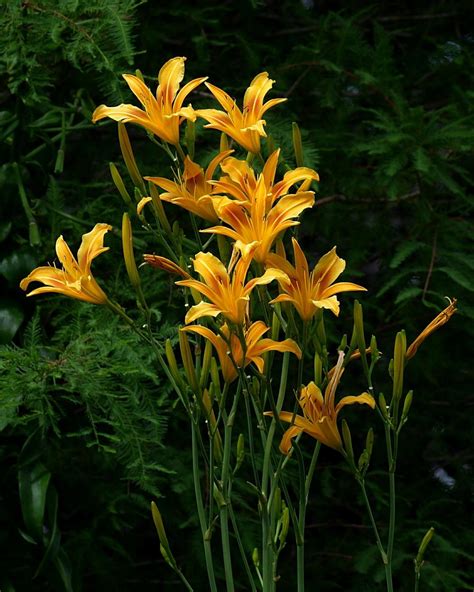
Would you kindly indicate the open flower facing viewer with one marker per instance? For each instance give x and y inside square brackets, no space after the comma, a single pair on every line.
[75,278]
[310,291]
[319,418]
[159,115]
[228,294]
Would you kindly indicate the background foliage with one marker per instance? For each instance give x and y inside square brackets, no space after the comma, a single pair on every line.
[90,433]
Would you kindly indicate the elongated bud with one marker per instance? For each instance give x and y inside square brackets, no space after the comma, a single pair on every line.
[160,529]
[118,182]
[206,364]
[364,458]
[342,346]
[399,364]
[407,405]
[128,255]
[212,425]
[297,144]
[423,546]
[390,369]
[172,364]
[359,333]
[285,524]
[346,436]
[188,364]
[441,319]
[318,369]
[218,497]
[129,158]
[224,143]
[240,451]
[383,406]
[216,383]
[270,141]
[256,558]
[138,74]
[374,350]
[369,442]
[190,137]
[159,209]
[320,330]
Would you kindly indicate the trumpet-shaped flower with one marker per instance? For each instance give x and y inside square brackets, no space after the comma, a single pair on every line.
[319,418]
[245,127]
[192,190]
[310,291]
[75,278]
[159,115]
[240,181]
[228,295]
[231,354]
[252,224]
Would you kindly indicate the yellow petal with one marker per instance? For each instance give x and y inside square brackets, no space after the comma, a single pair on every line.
[142,203]
[203,309]
[363,399]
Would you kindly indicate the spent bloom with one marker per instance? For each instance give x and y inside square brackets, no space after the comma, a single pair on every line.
[441,319]
[74,279]
[319,418]
[231,354]
[246,127]
[310,291]
[160,114]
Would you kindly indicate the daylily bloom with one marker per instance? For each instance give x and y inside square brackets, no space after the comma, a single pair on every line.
[251,223]
[240,181]
[192,190]
[75,278]
[310,291]
[229,347]
[245,127]
[160,115]
[436,323]
[227,295]
[319,418]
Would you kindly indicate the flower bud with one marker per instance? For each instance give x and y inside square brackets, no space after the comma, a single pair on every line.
[160,529]
[172,364]
[399,364]
[423,546]
[224,143]
[159,209]
[128,255]
[256,558]
[318,369]
[190,137]
[188,364]
[374,350]
[297,144]
[129,158]
[285,524]
[118,182]
[218,497]
[383,406]
[346,436]
[407,405]
[240,451]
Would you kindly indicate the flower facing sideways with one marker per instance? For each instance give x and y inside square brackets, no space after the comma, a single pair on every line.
[310,291]
[75,278]
[247,126]
[227,294]
[192,190]
[159,115]
[229,347]
[441,319]
[319,418]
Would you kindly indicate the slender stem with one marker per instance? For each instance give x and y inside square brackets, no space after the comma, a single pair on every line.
[372,521]
[184,580]
[201,512]
[312,467]
[392,460]
[248,571]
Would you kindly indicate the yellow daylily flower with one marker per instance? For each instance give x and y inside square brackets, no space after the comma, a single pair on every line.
[441,319]
[252,224]
[319,418]
[247,126]
[229,347]
[75,278]
[192,190]
[161,114]
[241,183]
[310,291]
[228,295]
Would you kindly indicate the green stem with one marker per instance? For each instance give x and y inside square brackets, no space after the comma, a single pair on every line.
[372,521]
[392,460]
[248,571]
[201,512]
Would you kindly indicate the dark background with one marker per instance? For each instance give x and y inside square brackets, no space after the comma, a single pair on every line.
[383,93]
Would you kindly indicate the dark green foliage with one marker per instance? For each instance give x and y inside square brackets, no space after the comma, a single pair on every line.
[383,95]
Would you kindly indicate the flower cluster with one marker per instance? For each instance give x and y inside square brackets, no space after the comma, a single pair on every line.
[248,200]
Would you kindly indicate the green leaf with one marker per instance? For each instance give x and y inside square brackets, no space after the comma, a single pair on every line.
[457,276]
[406,249]
[17,265]
[33,482]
